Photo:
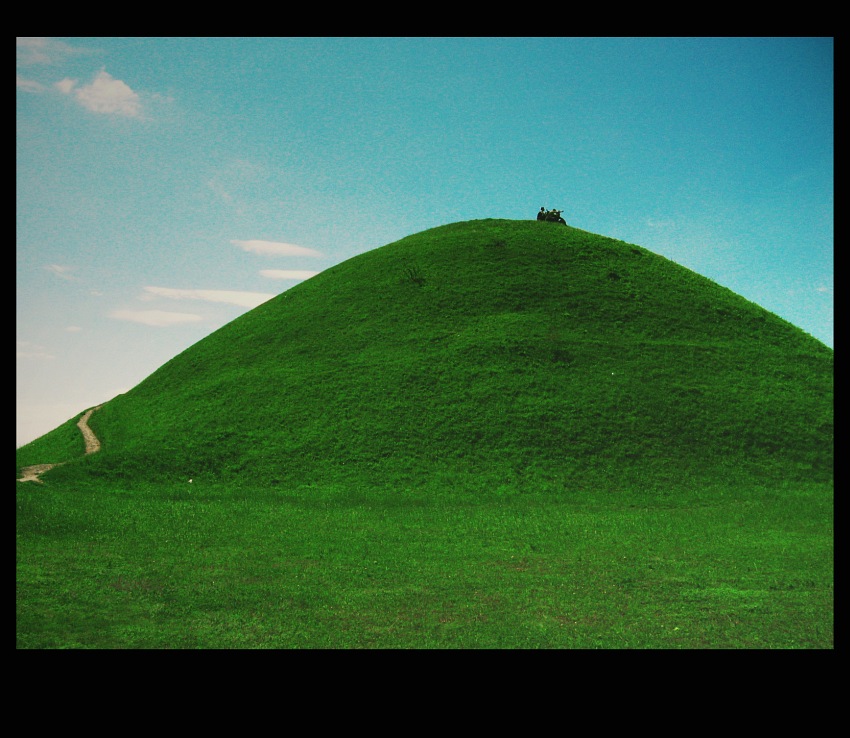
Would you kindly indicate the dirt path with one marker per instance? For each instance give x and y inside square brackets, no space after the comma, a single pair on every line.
[92,444]
[32,473]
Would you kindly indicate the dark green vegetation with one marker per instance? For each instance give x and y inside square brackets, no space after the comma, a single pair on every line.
[489,434]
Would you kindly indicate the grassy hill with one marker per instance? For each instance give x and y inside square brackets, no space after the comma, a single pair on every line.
[513,351]
[491,434]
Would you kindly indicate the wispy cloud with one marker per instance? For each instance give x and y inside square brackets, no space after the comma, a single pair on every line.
[63,272]
[73,329]
[28,85]
[287,273]
[32,50]
[230,297]
[105,95]
[274,248]
[30,350]
[236,183]
[220,190]
[159,318]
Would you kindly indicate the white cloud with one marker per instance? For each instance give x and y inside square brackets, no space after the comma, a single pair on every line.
[32,50]
[104,94]
[28,85]
[154,317]
[287,273]
[65,85]
[273,248]
[42,50]
[231,297]
[73,329]
[30,350]
[60,271]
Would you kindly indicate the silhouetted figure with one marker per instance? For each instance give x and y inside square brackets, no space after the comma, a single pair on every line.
[554,216]
[551,216]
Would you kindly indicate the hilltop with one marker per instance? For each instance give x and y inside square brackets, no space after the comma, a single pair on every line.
[508,352]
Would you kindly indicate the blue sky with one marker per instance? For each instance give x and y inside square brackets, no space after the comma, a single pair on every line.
[166,186]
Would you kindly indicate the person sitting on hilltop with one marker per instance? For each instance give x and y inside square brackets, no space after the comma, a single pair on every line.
[551,216]
[555,217]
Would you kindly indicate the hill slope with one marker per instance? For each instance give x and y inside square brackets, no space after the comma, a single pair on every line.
[489,349]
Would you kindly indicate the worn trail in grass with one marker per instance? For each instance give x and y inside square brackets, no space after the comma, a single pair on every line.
[33,473]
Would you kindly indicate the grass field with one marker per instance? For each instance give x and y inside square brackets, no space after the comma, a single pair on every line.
[211,567]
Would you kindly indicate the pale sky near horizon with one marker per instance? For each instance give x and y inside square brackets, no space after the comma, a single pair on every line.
[166,186]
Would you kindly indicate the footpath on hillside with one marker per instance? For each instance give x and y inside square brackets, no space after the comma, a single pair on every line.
[32,473]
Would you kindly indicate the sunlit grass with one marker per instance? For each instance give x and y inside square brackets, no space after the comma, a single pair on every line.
[196,567]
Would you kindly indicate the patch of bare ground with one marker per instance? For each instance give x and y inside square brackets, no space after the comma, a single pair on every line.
[32,473]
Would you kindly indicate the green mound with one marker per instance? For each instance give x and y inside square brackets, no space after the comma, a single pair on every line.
[500,351]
